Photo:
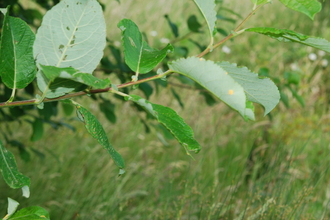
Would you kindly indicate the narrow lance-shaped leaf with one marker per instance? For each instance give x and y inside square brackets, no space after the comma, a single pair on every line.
[17,68]
[95,128]
[213,78]
[172,121]
[9,170]
[72,34]
[307,7]
[262,91]
[52,72]
[139,56]
[207,8]
[291,36]
[174,27]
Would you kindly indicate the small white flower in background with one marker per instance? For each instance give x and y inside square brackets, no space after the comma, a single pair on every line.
[165,40]
[324,63]
[226,49]
[312,56]
[117,43]
[294,66]
[321,53]
[153,33]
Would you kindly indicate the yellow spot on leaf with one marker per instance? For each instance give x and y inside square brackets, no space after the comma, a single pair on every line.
[230,92]
[201,59]
[226,73]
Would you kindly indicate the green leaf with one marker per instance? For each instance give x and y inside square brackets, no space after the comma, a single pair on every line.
[72,34]
[285,99]
[207,8]
[223,18]
[31,213]
[52,72]
[38,129]
[213,78]
[9,170]
[172,121]
[262,91]
[17,68]
[292,78]
[173,26]
[147,89]
[307,7]
[291,36]
[139,56]
[96,130]
[68,108]
[177,97]
[222,31]
[299,98]
[108,109]
[193,24]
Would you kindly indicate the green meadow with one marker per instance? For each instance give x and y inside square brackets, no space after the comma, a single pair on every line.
[275,167]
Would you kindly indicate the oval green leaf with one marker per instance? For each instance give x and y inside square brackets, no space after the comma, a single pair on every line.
[213,78]
[172,121]
[139,56]
[9,170]
[17,67]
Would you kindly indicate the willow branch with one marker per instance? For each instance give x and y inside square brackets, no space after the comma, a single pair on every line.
[81,93]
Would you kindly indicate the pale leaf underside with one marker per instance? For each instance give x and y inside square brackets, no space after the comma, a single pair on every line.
[207,8]
[72,34]
[213,78]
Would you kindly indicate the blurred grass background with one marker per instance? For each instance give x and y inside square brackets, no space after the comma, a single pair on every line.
[267,169]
